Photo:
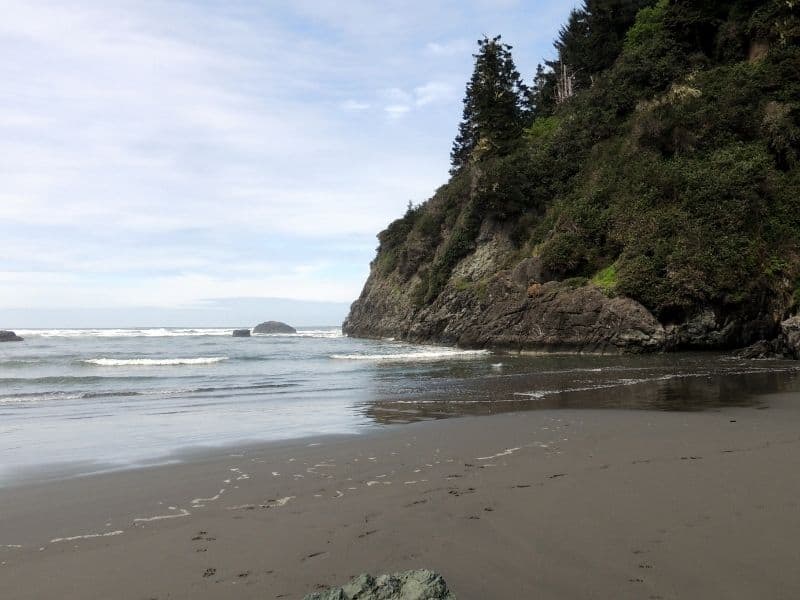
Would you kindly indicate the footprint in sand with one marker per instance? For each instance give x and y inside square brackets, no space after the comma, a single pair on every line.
[203,536]
[458,492]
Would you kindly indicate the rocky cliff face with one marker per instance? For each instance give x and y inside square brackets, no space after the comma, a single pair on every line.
[654,207]
[494,299]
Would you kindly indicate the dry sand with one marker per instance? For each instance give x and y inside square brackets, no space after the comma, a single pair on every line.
[543,504]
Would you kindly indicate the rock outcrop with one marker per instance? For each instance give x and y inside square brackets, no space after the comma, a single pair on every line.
[484,305]
[549,316]
[241,333]
[9,336]
[410,585]
[790,332]
[785,345]
[645,214]
[273,327]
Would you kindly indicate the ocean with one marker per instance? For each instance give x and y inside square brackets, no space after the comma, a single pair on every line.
[80,401]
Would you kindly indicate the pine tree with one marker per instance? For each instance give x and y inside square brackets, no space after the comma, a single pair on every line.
[495,104]
[542,94]
[588,44]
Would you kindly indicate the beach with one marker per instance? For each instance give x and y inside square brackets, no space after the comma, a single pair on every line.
[545,504]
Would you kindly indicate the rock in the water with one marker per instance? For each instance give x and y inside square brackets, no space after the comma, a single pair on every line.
[410,585]
[273,327]
[761,349]
[241,333]
[9,336]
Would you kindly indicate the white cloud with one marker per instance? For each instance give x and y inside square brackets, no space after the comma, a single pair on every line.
[402,102]
[169,143]
[397,95]
[433,92]
[395,111]
[355,105]
[450,48]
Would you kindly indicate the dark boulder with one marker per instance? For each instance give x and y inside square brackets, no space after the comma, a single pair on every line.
[790,332]
[9,336]
[785,345]
[241,333]
[273,327]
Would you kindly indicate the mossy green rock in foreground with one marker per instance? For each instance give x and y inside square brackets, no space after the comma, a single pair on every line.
[410,585]
[653,204]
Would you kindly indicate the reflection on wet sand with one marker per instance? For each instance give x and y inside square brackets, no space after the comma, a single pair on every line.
[629,383]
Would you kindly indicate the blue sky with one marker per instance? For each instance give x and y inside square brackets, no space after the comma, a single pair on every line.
[164,154]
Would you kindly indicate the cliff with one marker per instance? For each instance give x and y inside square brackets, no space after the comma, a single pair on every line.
[652,204]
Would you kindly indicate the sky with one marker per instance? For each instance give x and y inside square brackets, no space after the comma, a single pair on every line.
[167,156]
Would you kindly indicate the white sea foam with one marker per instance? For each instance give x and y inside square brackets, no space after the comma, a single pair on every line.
[538,395]
[87,536]
[200,502]
[433,353]
[305,333]
[506,452]
[279,502]
[154,362]
[44,396]
[126,332]
[156,332]
[183,513]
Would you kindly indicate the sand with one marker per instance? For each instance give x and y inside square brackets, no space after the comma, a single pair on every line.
[541,504]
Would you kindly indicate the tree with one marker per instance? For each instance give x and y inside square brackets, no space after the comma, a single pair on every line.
[495,104]
[587,45]
[542,94]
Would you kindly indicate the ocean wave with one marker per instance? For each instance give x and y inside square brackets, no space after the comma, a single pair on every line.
[127,332]
[415,355]
[305,333]
[154,362]
[156,332]
[32,398]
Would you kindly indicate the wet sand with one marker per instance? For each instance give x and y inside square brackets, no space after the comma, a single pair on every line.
[544,504]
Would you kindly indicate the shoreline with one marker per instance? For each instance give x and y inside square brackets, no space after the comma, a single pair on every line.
[551,503]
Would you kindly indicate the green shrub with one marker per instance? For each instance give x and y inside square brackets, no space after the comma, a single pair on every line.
[606,279]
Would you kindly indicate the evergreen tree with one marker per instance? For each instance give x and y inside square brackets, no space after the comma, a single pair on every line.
[542,94]
[495,104]
[588,44]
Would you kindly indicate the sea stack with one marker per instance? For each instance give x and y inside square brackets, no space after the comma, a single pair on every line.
[241,333]
[273,327]
[9,336]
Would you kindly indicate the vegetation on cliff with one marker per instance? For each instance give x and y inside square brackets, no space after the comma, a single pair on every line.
[657,159]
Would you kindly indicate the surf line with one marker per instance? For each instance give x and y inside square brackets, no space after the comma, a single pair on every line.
[87,536]
[200,502]
[506,452]
[182,513]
